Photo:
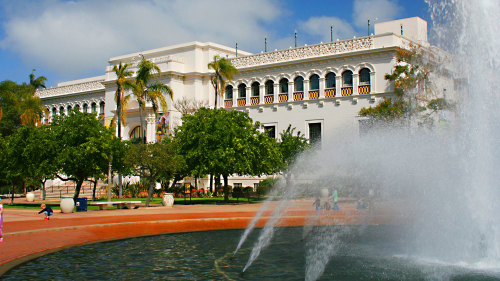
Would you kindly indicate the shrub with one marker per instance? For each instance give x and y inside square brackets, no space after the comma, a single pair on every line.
[237,193]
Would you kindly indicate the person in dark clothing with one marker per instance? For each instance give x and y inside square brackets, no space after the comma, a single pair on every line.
[47,211]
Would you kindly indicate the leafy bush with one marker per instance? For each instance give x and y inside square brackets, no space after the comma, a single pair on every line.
[265,185]
[237,193]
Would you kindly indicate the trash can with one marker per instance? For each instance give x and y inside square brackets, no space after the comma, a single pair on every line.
[81,204]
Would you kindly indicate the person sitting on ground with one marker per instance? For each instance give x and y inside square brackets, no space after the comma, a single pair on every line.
[47,211]
[335,206]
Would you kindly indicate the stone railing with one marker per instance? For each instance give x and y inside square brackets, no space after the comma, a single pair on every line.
[323,49]
[71,89]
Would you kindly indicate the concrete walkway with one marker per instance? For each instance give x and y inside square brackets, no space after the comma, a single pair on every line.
[27,235]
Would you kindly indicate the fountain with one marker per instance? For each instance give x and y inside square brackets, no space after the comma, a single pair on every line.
[445,183]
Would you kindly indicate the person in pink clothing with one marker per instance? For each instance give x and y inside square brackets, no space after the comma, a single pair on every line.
[1,221]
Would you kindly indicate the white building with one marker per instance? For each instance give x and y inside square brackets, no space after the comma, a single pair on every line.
[319,89]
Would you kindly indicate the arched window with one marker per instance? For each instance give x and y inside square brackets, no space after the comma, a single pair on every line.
[229,92]
[68,109]
[347,78]
[269,87]
[364,76]
[135,133]
[77,107]
[85,108]
[54,111]
[242,91]
[61,110]
[93,107]
[314,82]
[330,80]
[101,107]
[299,84]
[284,86]
[255,89]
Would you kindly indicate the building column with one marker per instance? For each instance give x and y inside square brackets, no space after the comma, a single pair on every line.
[276,92]
[322,87]
[150,128]
[372,82]
[234,98]
[338,85]
[355,83]
[306,89]
[248,91]
[291,89]
[262,89]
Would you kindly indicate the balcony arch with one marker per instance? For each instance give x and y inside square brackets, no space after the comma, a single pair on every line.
[85,108]
[229,92]
[347,83]
[255,89]
[364,81]
[93,107]
[242,94]
[330,84]
[61,110]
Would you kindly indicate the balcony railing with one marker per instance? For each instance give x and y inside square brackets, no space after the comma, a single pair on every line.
[228,103]
[346,91]
[330,93]
[283,97]
[254,100]
[314,94]
[364,89]
[298,96]
[242,101]
[268,99]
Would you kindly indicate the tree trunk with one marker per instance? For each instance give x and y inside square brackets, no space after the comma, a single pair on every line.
[141,129]
[150,191]
[118,111]
[78,187]
[216,92]
[120,186]
[211,183]
[93,190]
[226,188]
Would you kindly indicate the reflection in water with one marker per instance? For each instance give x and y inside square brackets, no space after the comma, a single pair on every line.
[375,253]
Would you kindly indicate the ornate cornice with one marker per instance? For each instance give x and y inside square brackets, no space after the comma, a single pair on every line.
[71,89]
[318,50]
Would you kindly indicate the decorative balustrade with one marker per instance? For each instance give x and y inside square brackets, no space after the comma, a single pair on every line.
[268,99]
[298,96]
[323,49]
[283,97]
[228,103]
[364,89]
[346,91]
[254,100]
[242,101]
[314,95]
[330,93]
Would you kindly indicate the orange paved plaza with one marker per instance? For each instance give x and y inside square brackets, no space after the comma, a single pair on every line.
[27,235]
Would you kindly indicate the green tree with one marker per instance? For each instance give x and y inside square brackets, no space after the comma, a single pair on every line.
[224,70]
[11,101]
[37,82]
[145,89]
[290,146]
[414,92]
[223,143]
[85,146]
[153,162]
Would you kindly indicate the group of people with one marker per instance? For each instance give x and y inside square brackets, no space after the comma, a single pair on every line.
[326,202]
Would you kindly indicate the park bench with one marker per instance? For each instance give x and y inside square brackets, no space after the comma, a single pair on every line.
[120,204]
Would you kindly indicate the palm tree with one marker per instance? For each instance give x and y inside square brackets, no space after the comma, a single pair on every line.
[32,109]
[39,82]
[122,73]
[144,89]
[223,70]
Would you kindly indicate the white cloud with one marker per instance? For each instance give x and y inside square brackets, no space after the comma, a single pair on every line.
[320,26]
[382,10]
[75,37]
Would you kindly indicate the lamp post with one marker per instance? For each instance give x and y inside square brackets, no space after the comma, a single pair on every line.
[236,49]
[331,33]
[295,31]
[368,34]
[265,43]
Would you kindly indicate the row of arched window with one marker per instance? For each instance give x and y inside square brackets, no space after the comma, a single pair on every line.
[298,82]
[93,108]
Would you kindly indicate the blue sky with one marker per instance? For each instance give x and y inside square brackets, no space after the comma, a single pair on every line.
[67,40]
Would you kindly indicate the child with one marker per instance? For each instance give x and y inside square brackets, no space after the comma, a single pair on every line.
[47,211]
[1,221]
[317,204]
